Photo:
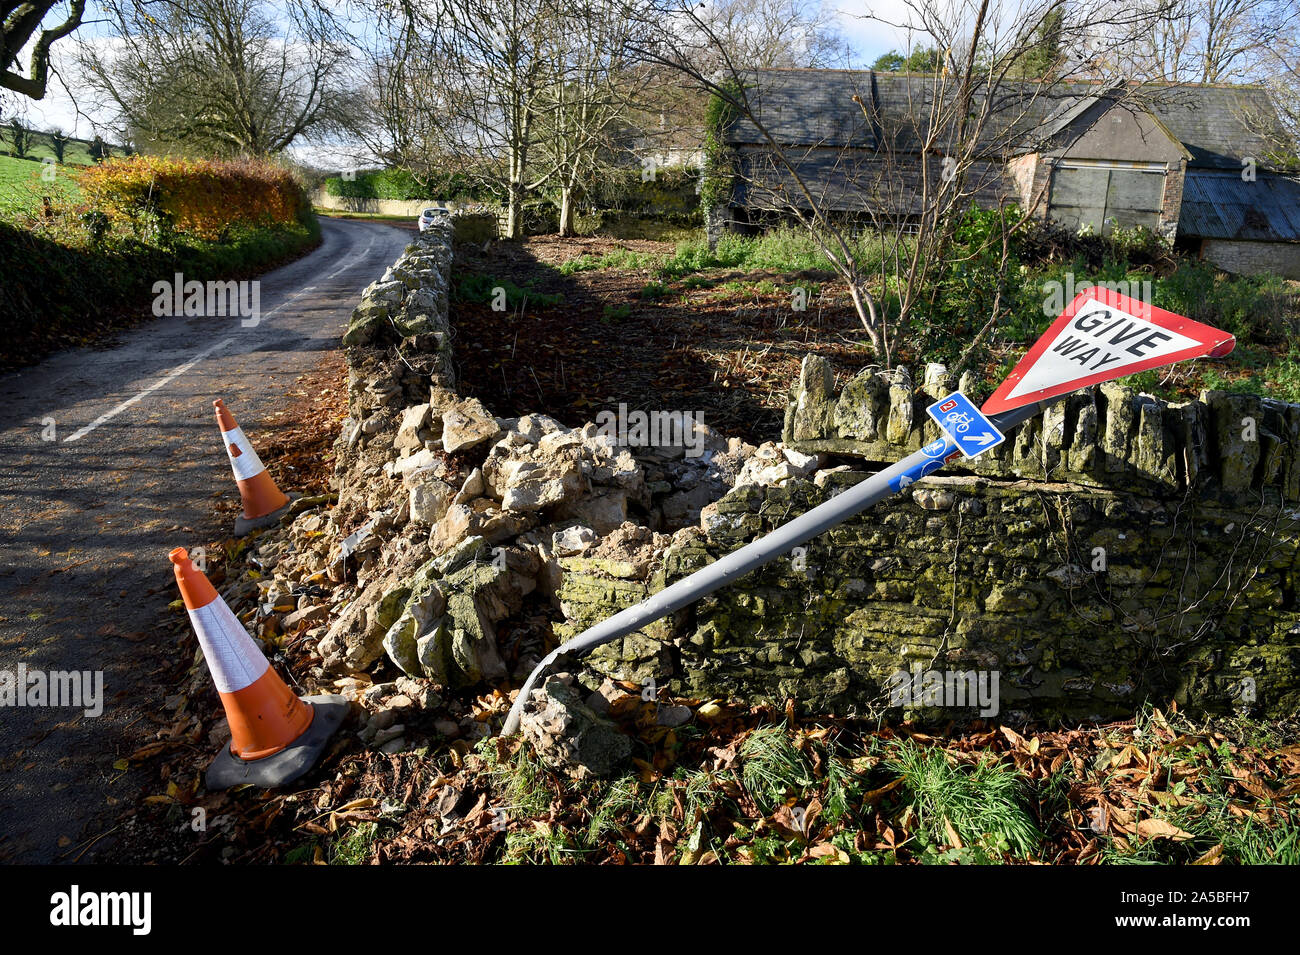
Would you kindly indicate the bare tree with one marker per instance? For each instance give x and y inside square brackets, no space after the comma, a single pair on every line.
[480,86]
[221,77]
[583,114]
[912,174]
[394,74]
[773,34]
[1279,72]
[41,23]
[1206,41]
[513,96]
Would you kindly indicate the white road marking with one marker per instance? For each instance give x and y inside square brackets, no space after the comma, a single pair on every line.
[109,415]
[113,413]
[347,265]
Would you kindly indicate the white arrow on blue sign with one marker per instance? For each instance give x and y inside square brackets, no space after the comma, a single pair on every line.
[965,424]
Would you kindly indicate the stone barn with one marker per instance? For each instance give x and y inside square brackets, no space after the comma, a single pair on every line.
[1189,162]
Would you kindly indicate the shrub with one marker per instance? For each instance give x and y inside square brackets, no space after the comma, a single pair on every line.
[155,196]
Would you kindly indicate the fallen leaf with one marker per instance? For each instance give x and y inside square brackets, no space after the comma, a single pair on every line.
[1159,829]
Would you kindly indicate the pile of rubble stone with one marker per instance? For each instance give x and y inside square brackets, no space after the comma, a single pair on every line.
[443,558]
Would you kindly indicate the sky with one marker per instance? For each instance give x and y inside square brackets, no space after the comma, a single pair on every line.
[867,37]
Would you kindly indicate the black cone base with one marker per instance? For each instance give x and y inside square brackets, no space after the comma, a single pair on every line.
[244,525]
[290,763]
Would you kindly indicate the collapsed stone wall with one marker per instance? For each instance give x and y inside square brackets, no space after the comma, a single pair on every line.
[463,546]
[442,554]
[1115,549]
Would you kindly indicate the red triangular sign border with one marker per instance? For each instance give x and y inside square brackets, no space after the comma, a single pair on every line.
[1211,341]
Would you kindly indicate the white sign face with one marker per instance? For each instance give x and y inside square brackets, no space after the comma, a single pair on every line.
[1100,338]
[1103,335]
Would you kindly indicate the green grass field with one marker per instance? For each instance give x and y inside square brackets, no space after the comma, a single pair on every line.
[76,153]
[23,183]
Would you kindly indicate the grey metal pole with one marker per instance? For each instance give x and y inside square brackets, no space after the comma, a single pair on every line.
[740,562]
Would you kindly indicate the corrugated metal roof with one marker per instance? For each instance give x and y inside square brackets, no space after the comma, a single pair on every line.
[1220,205]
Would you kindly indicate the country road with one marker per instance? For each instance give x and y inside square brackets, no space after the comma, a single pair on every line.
[87,518]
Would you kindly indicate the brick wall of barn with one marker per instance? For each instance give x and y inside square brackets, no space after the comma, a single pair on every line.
[1254,258]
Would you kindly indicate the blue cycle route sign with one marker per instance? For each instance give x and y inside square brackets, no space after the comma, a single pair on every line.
[965,424]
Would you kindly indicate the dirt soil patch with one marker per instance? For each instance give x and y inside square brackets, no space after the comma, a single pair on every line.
[724,343]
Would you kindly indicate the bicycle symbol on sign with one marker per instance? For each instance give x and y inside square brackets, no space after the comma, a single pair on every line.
[960,421]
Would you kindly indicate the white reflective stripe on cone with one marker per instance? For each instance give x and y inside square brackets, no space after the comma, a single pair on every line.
[246,464]
[233,657]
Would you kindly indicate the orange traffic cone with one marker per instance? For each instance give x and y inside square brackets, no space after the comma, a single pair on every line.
[264,503]
[275,737]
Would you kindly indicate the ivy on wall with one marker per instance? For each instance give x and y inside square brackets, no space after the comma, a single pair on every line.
[719,158]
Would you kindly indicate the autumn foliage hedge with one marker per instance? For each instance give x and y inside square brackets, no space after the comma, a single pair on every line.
[197,197]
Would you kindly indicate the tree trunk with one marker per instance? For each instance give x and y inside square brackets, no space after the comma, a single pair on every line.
[566,210]
[865,306]
[514,212]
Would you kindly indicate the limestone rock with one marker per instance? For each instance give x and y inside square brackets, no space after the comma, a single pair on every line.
[569,736]
[414,420]
[467,424]
[863,406]
[602,513]
[572,540]
[814,410]
[429,499]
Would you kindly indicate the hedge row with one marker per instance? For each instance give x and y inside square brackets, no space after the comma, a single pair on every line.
[402,184]
[56,295]
[197,197]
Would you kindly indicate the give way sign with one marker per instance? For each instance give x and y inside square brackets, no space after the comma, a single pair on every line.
[1103,335]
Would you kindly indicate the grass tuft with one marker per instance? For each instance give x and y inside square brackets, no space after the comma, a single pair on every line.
[772,767]
[983,805]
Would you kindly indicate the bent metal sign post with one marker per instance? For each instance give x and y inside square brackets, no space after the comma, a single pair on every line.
[1101,335]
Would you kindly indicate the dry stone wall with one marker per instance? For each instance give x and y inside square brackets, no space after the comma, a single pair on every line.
[463,546]
[1230,447]
[1115,550]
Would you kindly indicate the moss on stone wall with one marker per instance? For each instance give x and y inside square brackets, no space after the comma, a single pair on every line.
[1086,601]
[1233,448]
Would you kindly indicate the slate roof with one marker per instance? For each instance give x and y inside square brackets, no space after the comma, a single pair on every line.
[817,107]
[856,181]
[821,112]
[808,108]
[1212,121]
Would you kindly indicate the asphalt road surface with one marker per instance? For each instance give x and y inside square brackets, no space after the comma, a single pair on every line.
[105,454]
